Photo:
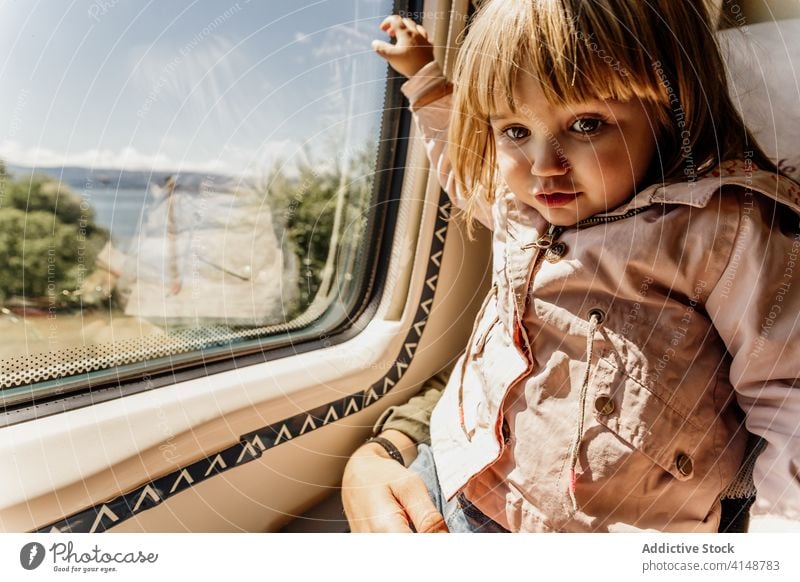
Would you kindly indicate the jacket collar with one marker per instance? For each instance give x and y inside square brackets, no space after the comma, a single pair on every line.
[698,192]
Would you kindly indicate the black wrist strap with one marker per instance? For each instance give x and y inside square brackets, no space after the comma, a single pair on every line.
[389,447]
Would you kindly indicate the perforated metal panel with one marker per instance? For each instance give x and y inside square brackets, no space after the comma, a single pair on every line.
[25,370]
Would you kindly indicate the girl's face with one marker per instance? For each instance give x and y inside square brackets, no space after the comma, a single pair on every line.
[571,162]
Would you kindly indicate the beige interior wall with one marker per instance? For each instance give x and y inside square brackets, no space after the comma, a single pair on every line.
[743,12]
[765,10]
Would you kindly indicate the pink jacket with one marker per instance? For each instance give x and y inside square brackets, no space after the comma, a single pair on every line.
[614,366]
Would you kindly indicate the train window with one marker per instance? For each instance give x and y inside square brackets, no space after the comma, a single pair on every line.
[180,182]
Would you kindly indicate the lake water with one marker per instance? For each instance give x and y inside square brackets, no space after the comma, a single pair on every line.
[120,211]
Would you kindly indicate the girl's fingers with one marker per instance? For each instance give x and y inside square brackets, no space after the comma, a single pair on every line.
[384,48]
[395,24]
[415,28]
[392,23]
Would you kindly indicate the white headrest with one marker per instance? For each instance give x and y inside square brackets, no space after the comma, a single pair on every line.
[763,63]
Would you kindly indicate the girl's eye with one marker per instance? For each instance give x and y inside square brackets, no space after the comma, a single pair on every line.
[516,133]
[587,126]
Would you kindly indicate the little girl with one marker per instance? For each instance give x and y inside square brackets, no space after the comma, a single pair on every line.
[642,317]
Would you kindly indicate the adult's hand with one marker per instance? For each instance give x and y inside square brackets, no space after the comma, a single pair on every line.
[381,495]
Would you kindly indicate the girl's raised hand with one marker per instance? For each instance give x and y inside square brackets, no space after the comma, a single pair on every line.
[412,49]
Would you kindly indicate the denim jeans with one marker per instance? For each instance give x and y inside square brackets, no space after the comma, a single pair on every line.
[459,514]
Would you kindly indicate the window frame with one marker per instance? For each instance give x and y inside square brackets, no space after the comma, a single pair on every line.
[53,396]
[187,423]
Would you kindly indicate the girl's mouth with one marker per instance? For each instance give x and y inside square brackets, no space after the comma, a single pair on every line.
[553,199]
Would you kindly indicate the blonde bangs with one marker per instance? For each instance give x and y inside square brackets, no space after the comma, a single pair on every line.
[576,55]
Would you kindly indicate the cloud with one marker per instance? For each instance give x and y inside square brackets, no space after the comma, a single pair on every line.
[232,160]
[128,158]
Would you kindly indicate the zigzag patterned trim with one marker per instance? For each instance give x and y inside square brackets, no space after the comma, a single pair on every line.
[252,445]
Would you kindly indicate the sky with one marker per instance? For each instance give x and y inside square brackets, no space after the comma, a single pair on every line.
[192,85]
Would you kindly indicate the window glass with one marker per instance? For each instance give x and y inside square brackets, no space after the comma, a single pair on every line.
[178,178]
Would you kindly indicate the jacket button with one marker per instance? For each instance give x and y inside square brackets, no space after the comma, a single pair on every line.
[604,405]
[684,464]
[597,313]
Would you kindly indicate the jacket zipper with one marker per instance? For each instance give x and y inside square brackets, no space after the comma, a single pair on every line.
[542,244]
[548,239]
[519,337]
[592,220]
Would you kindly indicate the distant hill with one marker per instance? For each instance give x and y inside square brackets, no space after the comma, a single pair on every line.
[79,178]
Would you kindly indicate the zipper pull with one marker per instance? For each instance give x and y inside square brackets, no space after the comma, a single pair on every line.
[547,239]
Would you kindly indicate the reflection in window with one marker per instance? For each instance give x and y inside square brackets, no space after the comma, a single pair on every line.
[178,177]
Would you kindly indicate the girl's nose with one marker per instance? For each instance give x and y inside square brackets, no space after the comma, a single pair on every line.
[548,158]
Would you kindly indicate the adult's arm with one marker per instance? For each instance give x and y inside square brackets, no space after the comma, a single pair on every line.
[413,418]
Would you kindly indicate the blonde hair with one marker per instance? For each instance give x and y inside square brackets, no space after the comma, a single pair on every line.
[662,52]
